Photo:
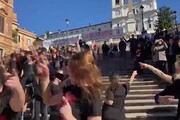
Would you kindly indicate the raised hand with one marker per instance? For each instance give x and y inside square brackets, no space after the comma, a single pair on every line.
[42,69]
[143,65]
[66,110]
[12,81]
[135,73]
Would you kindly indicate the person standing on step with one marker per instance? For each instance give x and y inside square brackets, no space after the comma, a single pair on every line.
[171,55]
[122,48]
[139,57]
[159,54]
[133,45]
[113,107]
[105,50]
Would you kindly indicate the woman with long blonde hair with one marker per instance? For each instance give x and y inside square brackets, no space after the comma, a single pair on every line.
[80,100]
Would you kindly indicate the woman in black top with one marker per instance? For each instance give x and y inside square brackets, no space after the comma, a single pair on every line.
[170,93]
[113,107]
[82,94]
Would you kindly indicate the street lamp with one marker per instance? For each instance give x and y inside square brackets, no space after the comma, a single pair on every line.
[175,21]
[142,13]
[67,25]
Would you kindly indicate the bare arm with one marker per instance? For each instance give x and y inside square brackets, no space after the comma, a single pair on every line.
[132,77]
[109,102]
[18,99]
[95,118]
[158,72]
[78,47]
[48,98]
[126,40]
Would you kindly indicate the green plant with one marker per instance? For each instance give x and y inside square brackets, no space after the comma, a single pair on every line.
[15,35]
[165,18]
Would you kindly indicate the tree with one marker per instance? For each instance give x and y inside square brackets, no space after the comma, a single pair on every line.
[15,34]
[165,18]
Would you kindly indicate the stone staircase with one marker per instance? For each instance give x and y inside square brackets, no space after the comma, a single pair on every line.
[140,103]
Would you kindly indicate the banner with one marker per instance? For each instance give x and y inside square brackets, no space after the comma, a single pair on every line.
[48,43]
[108,34]
[94,36]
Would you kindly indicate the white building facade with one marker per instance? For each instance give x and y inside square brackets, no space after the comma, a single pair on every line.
[128,15]
[126,19]
[89,33]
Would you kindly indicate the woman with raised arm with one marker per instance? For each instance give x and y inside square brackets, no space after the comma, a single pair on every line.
[172,93]
[113,107]
[82,96]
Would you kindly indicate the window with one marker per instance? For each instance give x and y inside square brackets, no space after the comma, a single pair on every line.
[77,31]
[135,11]
[118,12]
[99,29]
[1,24]
[149,25]
[71,32]
[29,42]
[117,2]
[1,53]
[19,38]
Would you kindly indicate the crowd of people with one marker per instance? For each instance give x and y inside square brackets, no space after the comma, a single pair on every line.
[65,82]
[162,48]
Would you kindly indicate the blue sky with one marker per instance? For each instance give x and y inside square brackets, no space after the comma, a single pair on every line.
[40,16]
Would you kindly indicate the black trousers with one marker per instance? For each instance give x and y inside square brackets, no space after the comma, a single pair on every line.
[137,65]
[40,108]
[133,52]
[123,53]
[27,79]
[171,59]
[105,56]
[161,65]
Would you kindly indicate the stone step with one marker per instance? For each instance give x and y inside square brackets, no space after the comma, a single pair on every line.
[137,87]
[135,83]
[137,96]
[106,79]
[140,93]
[146,91]
[143,102]
[151,108]
[151,116]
